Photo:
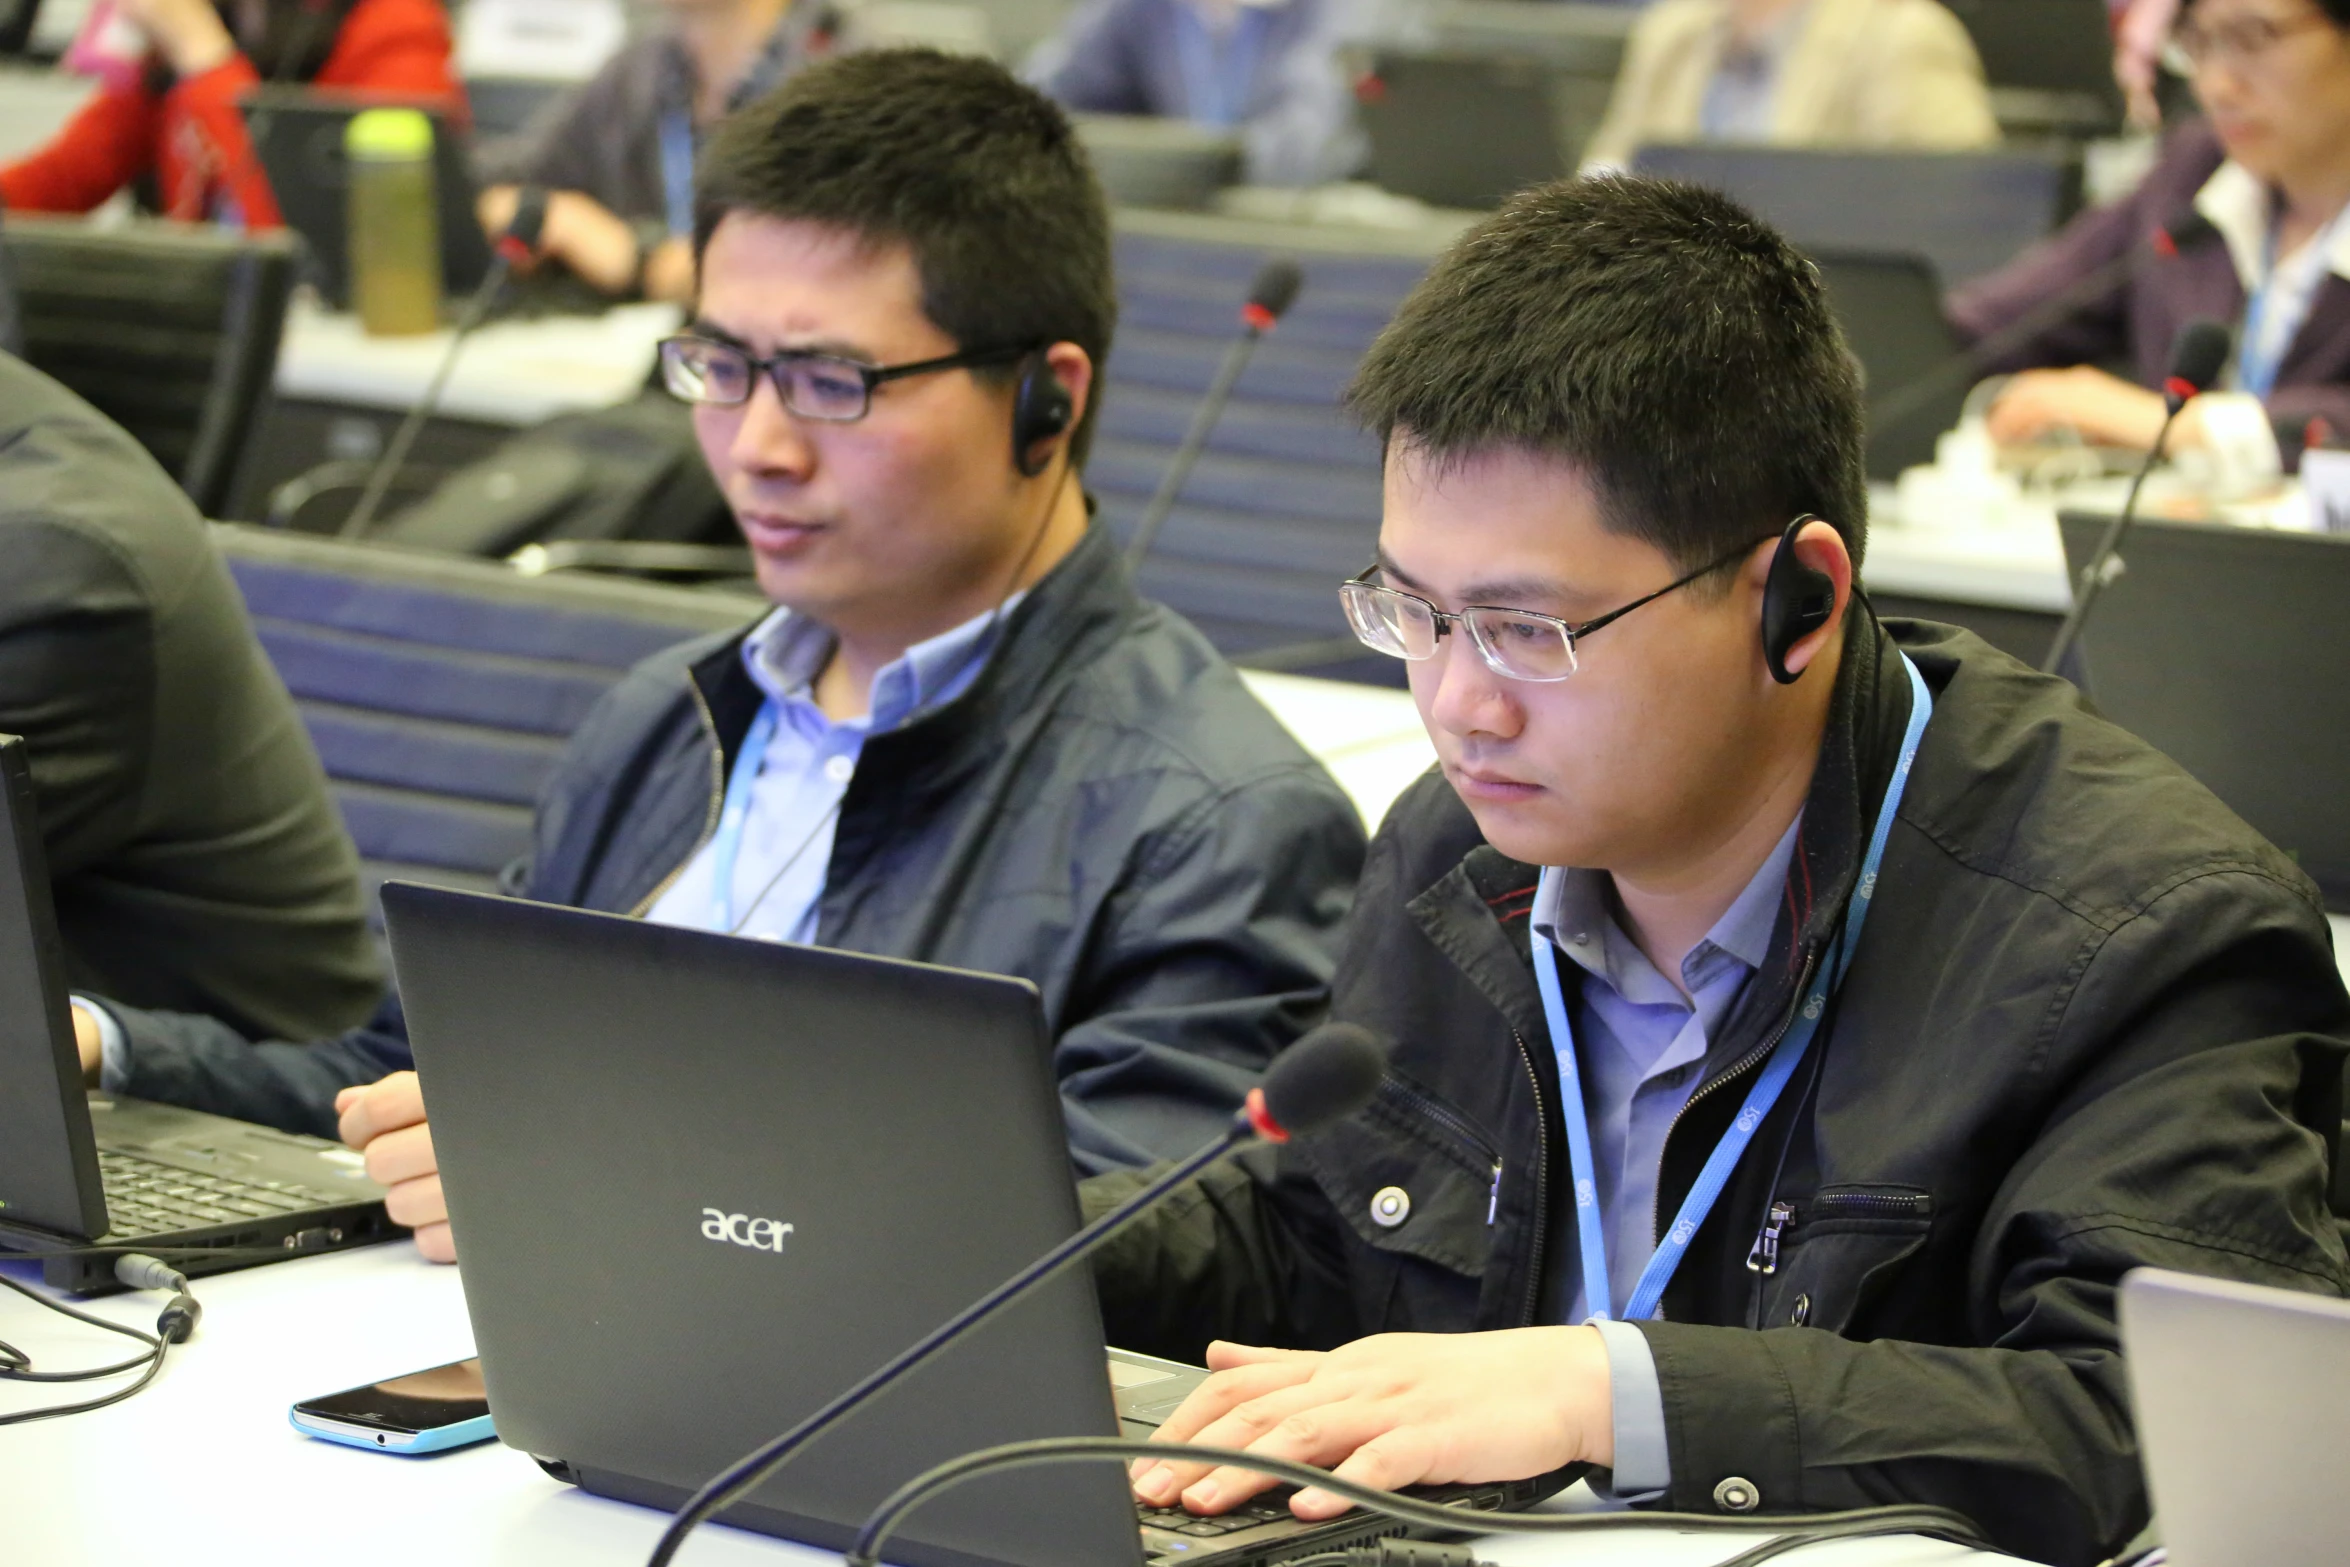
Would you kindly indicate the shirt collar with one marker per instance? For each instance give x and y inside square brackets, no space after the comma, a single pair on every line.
[1576,902]
[2242,209]
[786,652]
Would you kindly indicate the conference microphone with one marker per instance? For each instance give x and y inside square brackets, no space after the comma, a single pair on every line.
[1269,299]
[1317,1082]
[2197,356]
[2184,231]
[514,247]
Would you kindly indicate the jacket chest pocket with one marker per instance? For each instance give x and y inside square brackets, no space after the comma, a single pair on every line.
[1414,1177]
[1823,1260]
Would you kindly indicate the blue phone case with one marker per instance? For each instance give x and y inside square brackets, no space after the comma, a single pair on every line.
[441,1438]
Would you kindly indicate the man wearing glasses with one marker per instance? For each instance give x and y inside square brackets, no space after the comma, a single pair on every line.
[1799,1021]
[960,738]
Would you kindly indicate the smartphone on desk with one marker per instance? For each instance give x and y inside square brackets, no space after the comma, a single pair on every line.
[423,1412]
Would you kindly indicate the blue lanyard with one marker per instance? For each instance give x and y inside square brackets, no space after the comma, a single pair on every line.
[2258,362]
[727,846]
[677,170]
[1217,93]
[1598,1295]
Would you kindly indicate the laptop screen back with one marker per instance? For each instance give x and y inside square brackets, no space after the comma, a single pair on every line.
[700,1185]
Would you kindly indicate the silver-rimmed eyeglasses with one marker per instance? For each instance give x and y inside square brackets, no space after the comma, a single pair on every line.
[812,385]
[1518,643]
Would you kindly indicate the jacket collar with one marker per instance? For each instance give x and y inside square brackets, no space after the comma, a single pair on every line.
[1056,627]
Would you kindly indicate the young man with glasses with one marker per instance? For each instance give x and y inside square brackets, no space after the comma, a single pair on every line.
[2268,166]
[960,738]
[1799,1021]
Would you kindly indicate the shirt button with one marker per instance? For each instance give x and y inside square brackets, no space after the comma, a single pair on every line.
[1390,1206]
[1737,1495]
[840,769]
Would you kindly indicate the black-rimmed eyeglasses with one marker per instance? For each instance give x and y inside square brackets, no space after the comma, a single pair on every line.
[813,386]
[1518,643]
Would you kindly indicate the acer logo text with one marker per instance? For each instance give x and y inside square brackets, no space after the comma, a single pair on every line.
[743,1230]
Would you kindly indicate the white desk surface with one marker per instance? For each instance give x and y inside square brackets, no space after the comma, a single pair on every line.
[516,373]
[203,1468]
[1370,737]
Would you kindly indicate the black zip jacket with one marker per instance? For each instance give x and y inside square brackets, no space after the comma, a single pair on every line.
[2094,1023]
[1106,812]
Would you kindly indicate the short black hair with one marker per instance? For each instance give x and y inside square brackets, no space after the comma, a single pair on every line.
[980,176]
[1658,336]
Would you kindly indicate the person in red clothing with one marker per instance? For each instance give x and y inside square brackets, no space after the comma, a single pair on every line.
[179,119]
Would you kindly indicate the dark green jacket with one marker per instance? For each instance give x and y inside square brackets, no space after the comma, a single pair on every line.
[198,861]
[2094,1024]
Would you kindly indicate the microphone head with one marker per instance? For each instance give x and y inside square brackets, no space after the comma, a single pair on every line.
[1273,292]
[2197,355]
[1318,1082]
[530,217]
[2186,229]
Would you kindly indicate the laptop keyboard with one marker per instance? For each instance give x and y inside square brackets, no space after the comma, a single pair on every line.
[147,1198]
[1246,1516]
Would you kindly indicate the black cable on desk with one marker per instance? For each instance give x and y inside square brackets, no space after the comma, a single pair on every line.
[177,1321]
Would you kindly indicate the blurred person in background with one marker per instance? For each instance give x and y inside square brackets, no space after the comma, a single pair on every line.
[2141,33]
[1830,73]
[2269,168]
[1271,69]
[174,121]
[618,152]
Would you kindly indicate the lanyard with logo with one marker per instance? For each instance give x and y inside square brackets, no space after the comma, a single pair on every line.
[2266,343]
[1599,1296]
[677,170]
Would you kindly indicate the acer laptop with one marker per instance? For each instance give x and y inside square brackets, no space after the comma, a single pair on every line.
[81,1169]
[702,1184]
[2216,645]
[2242,1396]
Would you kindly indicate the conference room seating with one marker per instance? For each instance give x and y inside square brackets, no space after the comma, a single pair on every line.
[439,691]
[1968,213]
[1285,501]
[171,330]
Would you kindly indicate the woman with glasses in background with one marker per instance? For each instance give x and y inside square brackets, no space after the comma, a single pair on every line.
[174,122]
[2267,171]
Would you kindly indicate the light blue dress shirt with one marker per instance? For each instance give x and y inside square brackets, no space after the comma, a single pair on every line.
[1641,1044]
[1741,102]
[795,799]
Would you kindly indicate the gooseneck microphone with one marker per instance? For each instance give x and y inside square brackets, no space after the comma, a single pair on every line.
[1322,1079]
[2184,231]
[1269,298]
[514,247]
[2197,356]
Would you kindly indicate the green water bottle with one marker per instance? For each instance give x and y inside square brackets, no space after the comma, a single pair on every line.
[395,229]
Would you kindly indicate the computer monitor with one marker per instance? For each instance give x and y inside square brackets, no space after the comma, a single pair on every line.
[2219,645]
[1464,129]
[1890,307]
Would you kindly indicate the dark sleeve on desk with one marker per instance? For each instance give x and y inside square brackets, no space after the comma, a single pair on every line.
[182,1059]
[2204,1101]
[2093,334]
[1095,65]
[1215,954]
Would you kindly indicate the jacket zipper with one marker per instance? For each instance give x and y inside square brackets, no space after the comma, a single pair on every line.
[710,817]
[1461,1131]
[1536,1231]
[1764,1255]
[1743,1064]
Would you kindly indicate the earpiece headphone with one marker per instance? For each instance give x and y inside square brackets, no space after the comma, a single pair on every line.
[1041,409]
[1797,601]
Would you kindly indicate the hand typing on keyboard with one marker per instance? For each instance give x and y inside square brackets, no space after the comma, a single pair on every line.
[385,1121]
[1390,1411]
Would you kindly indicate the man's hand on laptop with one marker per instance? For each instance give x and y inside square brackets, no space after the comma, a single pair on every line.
[1395,1410]
[89,1043]
[385,1121]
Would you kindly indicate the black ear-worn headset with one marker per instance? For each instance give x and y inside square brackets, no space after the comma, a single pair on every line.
[1041,409]
[1797,601]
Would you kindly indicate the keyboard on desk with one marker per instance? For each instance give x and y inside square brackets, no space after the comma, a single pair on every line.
[147,1197]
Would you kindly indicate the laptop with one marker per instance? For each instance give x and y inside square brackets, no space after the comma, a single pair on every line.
[1463,130]
[701,1184]
[1890,307]
[82,1169]
[297,133]
[2242,1395]
[2217,645]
